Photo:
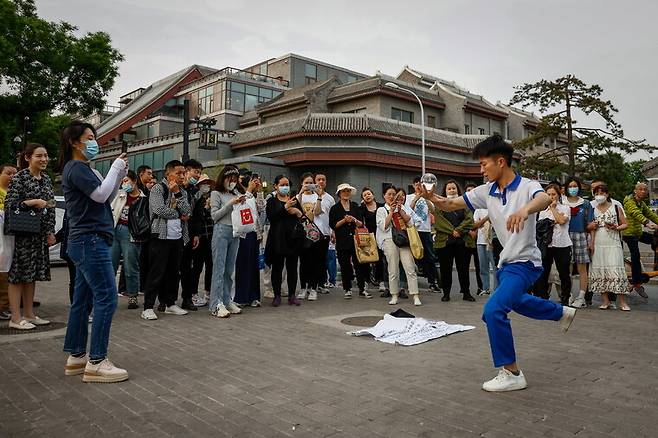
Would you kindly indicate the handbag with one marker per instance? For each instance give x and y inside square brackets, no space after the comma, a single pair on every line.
[20,222]
[415,243]
[311,231]
[139,222]
[399,231]
[243,218]
[365,245]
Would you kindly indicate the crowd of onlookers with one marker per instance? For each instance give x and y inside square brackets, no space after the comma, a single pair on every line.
[250,238]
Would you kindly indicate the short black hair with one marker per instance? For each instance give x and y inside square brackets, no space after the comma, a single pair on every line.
[416,179]
[494,146]
[576,180]
[193,164]
[470,185]
[131,175]
[172,165]
[143,168]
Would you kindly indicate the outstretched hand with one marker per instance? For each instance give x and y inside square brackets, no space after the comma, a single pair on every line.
[516,221]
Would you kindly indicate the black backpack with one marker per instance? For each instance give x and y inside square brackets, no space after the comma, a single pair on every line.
[139,220]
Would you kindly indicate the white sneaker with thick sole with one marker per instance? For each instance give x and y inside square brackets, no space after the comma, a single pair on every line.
[233,308]
[505,381]
[417,301]
[37,321]
[579,303]
[175,310]
[221,312]
[21,325]
[568,314]
[347,295]
[104,372]
[313,295]
[394,300]
[255,303]
[199,301]
[75,365]
[149,315]
[301,295]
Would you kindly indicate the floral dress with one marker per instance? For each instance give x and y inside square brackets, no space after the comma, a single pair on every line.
[31,260]
[607,272]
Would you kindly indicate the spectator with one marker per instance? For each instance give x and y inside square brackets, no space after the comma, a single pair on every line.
[423,209]
[331,262]
[30,190]
[471,252]
[171,212]
[227,193]
[452,239]
[638,214]
[88,198]
[370,206]
[313,254]
[283,240]
[607,272]
[144,178]
[344,218]
[482,232]
[394,214]
[193,170]
[202,255]
[7,171]
[322,222]
[581,212]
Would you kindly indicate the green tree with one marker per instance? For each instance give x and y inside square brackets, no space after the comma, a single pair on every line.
[46,68]
[619,175]
[559,101]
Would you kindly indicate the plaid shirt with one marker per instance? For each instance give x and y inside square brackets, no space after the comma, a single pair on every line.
[162,211]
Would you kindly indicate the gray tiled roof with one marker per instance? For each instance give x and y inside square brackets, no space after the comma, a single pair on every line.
[356,124]
[376,82]
[292,95]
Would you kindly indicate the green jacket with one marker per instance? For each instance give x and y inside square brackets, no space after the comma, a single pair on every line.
[637,213]
[444,229]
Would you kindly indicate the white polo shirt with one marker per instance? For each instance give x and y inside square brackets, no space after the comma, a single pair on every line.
[517,247]
[561,237]
[479,214]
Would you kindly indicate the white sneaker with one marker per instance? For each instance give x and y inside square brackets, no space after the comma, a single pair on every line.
[394,300]
[579,303]
[255,303]
[505,381]
[199,301]
[37,321]
[233,308]
[347,295]
[568,314]
[313,295]
[21,325]
[571,300]
[75,365]
[221,312]
[382,287]
[268,294]
[104,372]
[149,315]
[417,301]
[175,310]
[301,295]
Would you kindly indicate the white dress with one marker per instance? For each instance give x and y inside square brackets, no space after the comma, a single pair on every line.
[607,272]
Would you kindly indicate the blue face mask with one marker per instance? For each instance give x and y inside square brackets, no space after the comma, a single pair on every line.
[572,191]
[91,149]
[127,188]
[284,190]
[192,180]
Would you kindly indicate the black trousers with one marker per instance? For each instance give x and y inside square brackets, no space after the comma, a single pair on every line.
[144,256]
[200,257]
[562,259]
[290,262]
[163,274]
[313,263]
[429,257]
[473,252]
[454,253]
[348,265]
[186,274]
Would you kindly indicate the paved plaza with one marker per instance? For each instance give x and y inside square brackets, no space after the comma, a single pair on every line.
[293,372]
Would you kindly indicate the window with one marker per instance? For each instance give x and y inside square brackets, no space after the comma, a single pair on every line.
[355,111]
[310,73]
[467,129]
[481,131]
[431,122]
[263,69]
[150,130]
[402,115]
[351,78]
[205,101]
[242,97]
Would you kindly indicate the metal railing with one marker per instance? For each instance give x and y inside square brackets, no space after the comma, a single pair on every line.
[117,145]
[242,74]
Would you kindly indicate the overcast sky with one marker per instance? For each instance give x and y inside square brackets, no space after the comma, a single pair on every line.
[485,46]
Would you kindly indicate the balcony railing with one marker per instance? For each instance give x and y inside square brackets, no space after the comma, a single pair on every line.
[241,74]
[179,134]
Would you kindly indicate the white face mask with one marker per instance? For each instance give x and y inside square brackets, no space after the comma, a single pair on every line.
[230,186]
[600,198]
[204,189]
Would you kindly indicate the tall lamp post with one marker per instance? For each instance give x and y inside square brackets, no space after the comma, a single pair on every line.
[422,121]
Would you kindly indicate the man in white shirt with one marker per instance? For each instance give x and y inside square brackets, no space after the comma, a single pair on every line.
[512,203]
[322,221]
[423,208]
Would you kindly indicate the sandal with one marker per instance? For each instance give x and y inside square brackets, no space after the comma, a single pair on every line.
[604,306]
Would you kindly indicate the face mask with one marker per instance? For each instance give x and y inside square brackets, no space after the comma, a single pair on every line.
[600,198]
[572,191]
[204,189]
[127,188]
[284,190]
[192,180]
[451,196]
[91,149]
[230,186]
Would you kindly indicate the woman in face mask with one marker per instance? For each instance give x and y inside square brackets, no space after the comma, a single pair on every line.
[607,273]
[283,245]
[581,212]
[202,256]
[452,239]
[123,245]
[227,193]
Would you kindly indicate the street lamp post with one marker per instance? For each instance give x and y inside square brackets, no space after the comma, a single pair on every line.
[422,121]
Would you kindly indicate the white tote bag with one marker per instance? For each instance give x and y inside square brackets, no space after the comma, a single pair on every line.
[6,246]
[244,218]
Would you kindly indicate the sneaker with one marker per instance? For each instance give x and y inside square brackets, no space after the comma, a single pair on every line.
[161,307]
[22,325]
[329,285]
[323,290]
[394,300]
[276,302]
[188,305]
[199,301]
[149,315]
[292,301]
[640,291]
[505,381]
[579,303]
[132,303]
[75,365]
[221,311]
[37,321]
[5,315]
[486,292]
[268,294]
[571,300]
[104,372]
[312,295]
[175,310]
[568,313]
[434,288]
[365,294]
[479,292]
[301,295]
[233,308]
[347,295]
[255,303]
[417,301]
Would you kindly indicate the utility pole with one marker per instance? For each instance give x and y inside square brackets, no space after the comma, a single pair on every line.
[186,130]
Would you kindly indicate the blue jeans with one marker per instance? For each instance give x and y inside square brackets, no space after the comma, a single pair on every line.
[94,286]
[224,253]
[515,279]
[130,251]
[486,264]
[331,265]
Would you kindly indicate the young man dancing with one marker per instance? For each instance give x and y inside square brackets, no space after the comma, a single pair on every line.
[512,202]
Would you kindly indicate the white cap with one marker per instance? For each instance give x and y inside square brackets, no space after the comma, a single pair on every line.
[344,186]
